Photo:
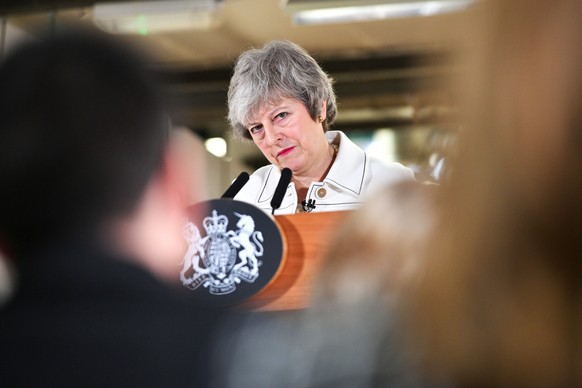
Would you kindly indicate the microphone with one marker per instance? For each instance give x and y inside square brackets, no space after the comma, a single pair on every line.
[281,189]
[308,205]
[237,185]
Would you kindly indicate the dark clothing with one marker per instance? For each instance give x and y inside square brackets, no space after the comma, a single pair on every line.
[84,318]
[327,346]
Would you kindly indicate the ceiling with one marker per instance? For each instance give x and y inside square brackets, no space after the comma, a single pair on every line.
[388,73]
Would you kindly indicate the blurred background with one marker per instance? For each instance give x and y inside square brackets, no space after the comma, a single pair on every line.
[391,61]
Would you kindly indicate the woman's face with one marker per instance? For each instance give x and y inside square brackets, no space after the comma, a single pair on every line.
[288,136]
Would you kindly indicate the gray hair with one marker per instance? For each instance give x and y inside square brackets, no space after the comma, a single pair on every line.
[281,69]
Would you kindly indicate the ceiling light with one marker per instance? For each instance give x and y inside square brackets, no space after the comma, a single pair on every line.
[338,11]
[145,17]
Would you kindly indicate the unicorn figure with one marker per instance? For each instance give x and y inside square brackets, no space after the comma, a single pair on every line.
[242,238]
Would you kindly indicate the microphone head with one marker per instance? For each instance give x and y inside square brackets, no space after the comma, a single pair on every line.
[237,185]
[286,175]
[281,188]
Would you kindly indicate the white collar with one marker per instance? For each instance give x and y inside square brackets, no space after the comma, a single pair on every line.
[349,166]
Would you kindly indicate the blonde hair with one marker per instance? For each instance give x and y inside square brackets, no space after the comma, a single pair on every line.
[501,300]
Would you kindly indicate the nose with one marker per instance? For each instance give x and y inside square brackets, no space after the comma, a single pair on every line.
[272,134]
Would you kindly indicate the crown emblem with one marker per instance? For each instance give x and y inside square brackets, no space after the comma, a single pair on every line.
[216,224]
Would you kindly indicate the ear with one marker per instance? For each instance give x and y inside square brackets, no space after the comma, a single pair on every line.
[323,113]
[173,178]
[187,163]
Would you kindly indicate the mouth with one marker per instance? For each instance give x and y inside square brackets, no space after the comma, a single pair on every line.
[285,151]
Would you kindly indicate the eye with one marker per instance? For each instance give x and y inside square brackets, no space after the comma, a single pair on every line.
[281,116]
[256,129]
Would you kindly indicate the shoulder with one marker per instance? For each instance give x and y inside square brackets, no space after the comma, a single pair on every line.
[375,167]
[391,170]
[262,173]
[382,172]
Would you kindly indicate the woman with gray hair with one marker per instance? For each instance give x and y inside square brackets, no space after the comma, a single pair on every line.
[281,99]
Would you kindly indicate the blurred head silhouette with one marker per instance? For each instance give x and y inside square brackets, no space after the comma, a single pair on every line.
[83,145]
[501,300]
[91,206]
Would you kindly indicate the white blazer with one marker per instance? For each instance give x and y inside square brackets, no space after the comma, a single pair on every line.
[352,178]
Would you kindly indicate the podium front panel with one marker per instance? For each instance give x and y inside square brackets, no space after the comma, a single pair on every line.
[307,238]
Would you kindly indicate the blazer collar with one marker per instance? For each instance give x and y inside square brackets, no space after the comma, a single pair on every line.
[349,167]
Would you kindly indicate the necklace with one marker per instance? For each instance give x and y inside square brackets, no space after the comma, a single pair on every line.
[303,206]
[335,148]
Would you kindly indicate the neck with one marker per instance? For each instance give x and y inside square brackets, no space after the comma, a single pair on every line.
[319,170]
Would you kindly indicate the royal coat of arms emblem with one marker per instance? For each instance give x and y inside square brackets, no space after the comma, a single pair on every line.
[223,258]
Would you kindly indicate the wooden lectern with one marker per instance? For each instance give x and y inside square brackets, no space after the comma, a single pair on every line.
[306,239]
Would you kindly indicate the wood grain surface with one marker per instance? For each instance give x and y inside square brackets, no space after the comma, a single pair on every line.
[306,238]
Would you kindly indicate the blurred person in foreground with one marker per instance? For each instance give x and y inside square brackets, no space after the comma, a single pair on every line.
[500,302]
[91,215]
[352,334]
[281,99]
